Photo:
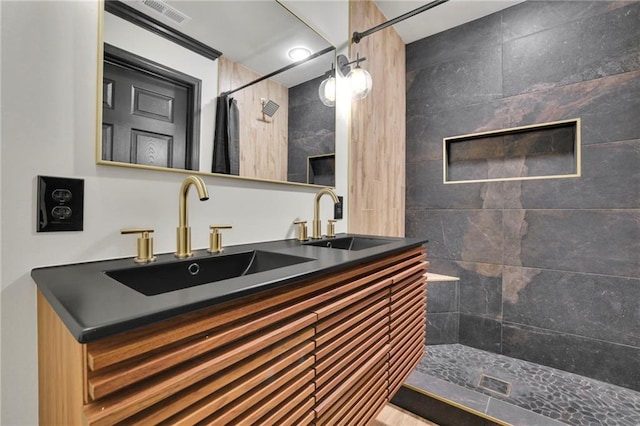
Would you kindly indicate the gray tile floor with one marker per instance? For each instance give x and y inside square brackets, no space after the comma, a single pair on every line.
[549,392]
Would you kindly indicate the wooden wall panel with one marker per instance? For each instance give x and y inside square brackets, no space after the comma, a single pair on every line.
[263,145]
[377,149]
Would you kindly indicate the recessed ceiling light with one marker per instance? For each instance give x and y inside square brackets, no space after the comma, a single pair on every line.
[299,53]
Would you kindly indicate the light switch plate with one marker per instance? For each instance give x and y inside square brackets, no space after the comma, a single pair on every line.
[60,204]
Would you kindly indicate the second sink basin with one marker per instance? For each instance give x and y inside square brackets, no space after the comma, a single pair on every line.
[350,243]
[161,278]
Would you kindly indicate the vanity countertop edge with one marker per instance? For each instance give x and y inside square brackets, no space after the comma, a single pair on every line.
[94,306]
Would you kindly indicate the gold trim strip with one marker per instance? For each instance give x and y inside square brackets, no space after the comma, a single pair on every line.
[207,174]
[457,405]
[577,145]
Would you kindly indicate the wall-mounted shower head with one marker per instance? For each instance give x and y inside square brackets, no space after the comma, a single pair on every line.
[269,107]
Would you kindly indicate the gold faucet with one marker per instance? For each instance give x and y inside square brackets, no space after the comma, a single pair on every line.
[183,231]
[317,225]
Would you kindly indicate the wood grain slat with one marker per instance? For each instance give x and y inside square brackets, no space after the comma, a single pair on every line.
[292,411]
[408,270]
[402,353]
[401,374]
[345,300]
[345,367]
[284,397]
[219,326]
[245,376]
[358,407]
[409,284]
[104,383]
[413,332]
[367,409]
[376,374]
[413,301]
[110,410]
[330,340]
[381,333]
[401,326]
[367,367]
[215,408]
[349,311]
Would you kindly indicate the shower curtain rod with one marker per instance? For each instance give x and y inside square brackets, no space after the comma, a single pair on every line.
[283,69]
[359,36]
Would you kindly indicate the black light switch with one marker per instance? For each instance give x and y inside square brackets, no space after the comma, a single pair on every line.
[60,204]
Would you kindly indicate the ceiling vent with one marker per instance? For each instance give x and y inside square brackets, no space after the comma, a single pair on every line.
[167,11]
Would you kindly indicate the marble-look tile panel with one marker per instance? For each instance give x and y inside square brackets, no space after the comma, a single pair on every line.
[457,83]
[467,235]
[531,17]
[306,93]
[480,332]
[610,179]
[310,118]
[587,49]
[300,148]
[442,296]
[608,107]
[597,306]
[609,362]
[481,289]
[464,41]
[426,189]
[588,241]
[425,132]
[442,328]
[480,286]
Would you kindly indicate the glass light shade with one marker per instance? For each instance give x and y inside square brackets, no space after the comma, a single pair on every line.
[327,91]
[360,82]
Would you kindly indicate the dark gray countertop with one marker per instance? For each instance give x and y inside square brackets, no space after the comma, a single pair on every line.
[94,306]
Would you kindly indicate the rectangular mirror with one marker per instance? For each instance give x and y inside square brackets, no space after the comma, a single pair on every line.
[165,65]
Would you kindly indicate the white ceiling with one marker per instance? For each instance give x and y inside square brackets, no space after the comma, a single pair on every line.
[258,33]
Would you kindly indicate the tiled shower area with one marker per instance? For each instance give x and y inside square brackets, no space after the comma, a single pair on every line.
[544,391]
[549,268]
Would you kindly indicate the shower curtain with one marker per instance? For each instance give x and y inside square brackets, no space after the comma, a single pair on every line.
[226,141]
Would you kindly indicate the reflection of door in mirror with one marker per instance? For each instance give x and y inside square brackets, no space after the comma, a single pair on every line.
[146,117]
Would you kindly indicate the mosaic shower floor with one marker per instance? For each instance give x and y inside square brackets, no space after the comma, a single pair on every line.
[556,394]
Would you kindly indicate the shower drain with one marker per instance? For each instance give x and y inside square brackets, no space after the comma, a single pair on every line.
[494,385]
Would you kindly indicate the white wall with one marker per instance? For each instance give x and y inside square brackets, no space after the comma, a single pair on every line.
[48,115]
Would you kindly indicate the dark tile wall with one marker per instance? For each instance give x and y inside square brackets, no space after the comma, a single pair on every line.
[311,128]
[550,269]
[443,312]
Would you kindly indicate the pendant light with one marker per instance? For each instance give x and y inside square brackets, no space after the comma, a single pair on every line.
[327,89]
[359,80]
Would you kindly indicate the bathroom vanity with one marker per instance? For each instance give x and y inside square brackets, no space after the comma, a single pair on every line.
[279,332]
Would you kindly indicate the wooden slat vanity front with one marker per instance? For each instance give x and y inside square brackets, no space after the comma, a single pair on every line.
[330,350]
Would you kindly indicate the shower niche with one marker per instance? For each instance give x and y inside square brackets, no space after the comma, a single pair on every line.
[540,151]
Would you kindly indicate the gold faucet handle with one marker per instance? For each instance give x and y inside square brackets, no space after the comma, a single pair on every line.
[331,228]
[215,238]
[303,234]
[145,244]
